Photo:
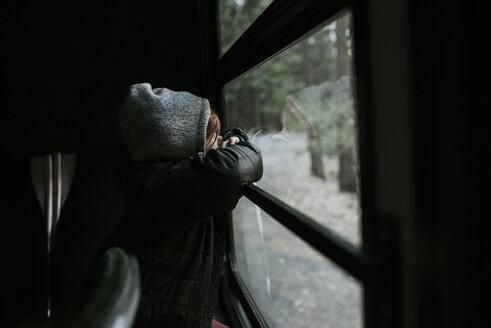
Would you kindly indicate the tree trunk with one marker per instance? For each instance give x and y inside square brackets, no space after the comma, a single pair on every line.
[232,111]
[307,69]
[342,58]
[348,179]
[256,108]
[316,167]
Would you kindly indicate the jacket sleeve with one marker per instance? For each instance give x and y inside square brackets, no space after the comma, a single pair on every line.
[212,184]
[249,165]
[247,159]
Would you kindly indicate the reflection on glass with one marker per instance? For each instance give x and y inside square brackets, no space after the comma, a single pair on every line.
[300,108]
[236,16]
[292,284]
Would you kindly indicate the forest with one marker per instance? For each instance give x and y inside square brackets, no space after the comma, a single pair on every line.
[299,108]
[307,88]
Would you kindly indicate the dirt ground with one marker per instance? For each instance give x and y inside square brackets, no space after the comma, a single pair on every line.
[292,284]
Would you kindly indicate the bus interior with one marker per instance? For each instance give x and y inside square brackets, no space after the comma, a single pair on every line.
[371,116]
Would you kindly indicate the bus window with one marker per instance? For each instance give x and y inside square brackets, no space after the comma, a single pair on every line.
[236,16]
[299,106]
[291,283]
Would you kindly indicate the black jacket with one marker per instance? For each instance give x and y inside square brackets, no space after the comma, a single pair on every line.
[169,227]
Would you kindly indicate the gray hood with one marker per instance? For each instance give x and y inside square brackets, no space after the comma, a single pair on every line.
[161,124]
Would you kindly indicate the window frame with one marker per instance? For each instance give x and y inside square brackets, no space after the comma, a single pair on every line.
[373,264]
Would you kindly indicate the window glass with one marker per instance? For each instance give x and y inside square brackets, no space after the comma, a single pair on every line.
[236,16]
[299,108]
[292,284]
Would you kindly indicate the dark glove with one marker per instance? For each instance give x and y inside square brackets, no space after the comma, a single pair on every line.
[235,132]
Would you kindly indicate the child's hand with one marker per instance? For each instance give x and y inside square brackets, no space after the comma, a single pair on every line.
[229,142]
